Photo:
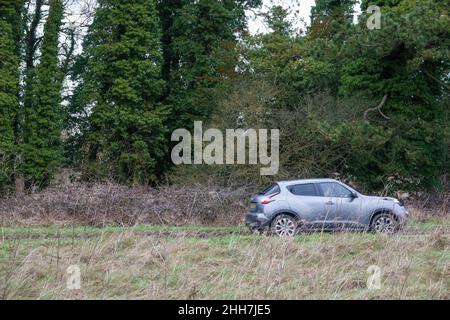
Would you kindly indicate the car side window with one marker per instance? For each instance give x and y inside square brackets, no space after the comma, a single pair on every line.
[307,189]
[332,189]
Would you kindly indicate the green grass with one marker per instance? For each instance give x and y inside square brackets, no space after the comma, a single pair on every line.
[429,224]
[54,231]
[154,262]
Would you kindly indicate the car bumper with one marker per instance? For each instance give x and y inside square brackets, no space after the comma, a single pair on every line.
[256,221]
[402,223]
[403,217]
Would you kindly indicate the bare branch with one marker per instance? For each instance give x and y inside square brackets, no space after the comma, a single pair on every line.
[377,108]
[68,52]
[442,83]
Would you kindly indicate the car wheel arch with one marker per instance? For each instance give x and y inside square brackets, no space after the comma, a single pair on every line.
[286,212]
[380,211]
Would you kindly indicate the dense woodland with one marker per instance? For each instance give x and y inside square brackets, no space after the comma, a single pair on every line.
[102,96]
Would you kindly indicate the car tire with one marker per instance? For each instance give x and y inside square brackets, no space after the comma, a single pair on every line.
[384,223]
[284,226]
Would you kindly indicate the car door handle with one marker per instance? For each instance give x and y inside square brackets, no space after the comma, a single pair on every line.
[329,203]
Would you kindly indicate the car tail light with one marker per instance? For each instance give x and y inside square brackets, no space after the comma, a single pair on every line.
[268,199]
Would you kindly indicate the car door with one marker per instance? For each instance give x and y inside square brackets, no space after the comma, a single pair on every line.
[350,209]
[305,201]
[330,201]
[345,207]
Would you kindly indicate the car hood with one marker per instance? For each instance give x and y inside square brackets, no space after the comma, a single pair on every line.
[374,198]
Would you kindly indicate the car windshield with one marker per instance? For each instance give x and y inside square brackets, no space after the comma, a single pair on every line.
[274,188]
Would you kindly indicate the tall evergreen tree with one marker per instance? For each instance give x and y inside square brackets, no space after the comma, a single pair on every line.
[121,86]
[408,61]
[31,46]
[199,45]
[41,149]
[10,13]
[297,64]
[331,17]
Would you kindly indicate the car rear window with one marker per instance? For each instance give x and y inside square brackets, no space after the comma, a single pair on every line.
[274,188]
[307,189]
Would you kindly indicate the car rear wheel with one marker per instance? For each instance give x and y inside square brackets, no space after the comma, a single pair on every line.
[384,223]
[284,226]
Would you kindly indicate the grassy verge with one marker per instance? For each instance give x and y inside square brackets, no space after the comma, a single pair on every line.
[20,232]
[154,262]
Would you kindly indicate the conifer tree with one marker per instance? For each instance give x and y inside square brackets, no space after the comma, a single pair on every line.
[199,44]
[9,84]
[121,85]
[41,149]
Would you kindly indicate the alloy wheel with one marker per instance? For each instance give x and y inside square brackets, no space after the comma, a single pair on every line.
[385,224]
[285,227]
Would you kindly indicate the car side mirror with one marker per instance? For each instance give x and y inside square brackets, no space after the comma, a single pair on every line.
[353,196]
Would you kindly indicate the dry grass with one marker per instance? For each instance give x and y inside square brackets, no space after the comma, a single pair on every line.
[44,233]
[128,264]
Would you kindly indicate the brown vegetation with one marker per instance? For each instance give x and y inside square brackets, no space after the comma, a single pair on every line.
[128,265]
[111,204]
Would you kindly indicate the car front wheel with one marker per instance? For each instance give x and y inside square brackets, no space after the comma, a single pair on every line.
[284,225]
[384,223]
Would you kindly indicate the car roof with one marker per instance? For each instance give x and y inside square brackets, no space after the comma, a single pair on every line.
[301,181]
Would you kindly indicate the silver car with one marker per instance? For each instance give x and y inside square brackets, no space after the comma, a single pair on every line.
[287,207]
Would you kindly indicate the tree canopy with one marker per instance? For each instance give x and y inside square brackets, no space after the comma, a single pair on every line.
[368,105]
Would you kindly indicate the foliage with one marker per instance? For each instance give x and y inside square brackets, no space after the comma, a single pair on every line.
[151,66]
[41,150]
[122,85]
[9,83]
[199,44]
[407,60]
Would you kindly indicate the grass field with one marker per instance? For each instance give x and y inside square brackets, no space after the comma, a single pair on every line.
[155,262]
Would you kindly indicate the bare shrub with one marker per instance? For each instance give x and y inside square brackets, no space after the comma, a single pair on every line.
[112,204]
[425,205]
[194,204]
